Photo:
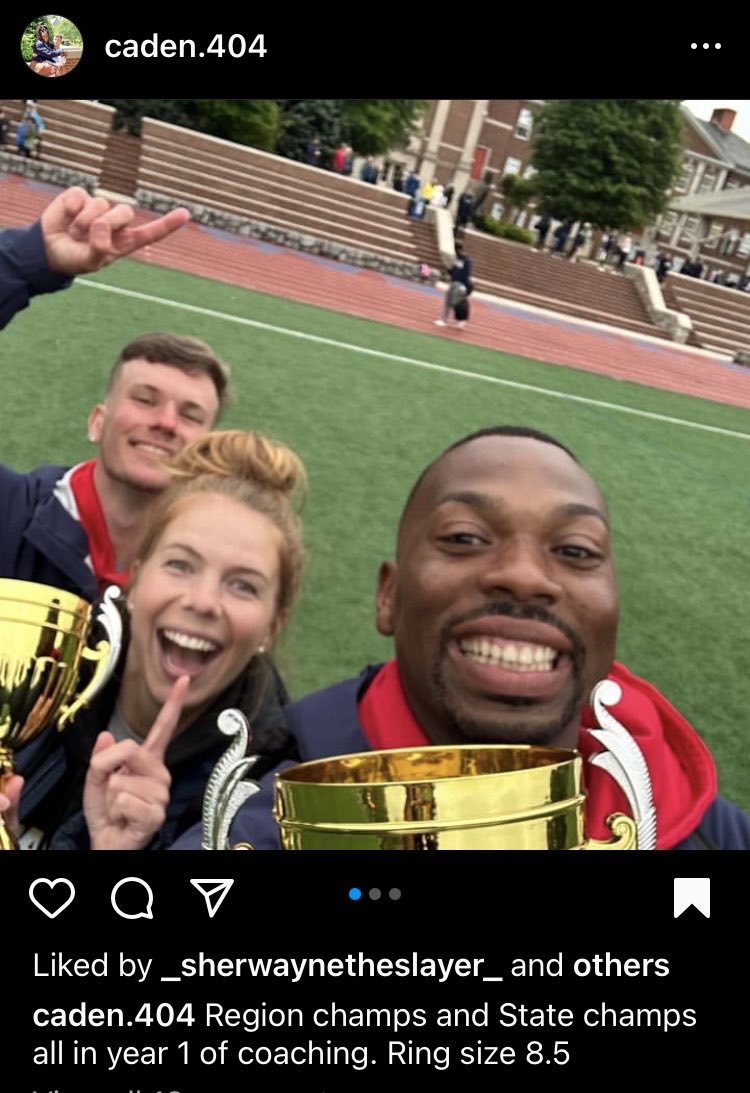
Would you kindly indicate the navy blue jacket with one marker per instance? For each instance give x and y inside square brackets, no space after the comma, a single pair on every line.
[54,766]
[461,270]
[41,541]
[24,271]
[45,51]
[326,723]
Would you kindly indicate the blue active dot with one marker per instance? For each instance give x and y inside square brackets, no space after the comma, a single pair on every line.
[355,893]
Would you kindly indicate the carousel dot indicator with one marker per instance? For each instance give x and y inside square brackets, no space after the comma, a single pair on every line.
[374,893]
[395,893]
[355,893]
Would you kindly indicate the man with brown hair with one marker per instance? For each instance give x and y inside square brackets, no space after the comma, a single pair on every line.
[80,528]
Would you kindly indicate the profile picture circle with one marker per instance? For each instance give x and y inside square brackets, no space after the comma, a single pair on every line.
[51,45]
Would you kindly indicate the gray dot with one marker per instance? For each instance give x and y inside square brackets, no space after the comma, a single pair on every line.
[395,893]
[374,893]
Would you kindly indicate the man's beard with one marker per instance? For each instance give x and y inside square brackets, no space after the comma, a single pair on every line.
[504,729]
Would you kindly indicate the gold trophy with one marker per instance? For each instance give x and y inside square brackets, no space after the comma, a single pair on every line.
[43,652]
[468,797]
[463,797]
[494,797]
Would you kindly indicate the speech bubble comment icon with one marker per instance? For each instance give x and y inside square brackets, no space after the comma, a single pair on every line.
[51,903]
[132,896]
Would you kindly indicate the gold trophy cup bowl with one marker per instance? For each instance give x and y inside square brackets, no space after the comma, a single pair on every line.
[43,648]
[489,797]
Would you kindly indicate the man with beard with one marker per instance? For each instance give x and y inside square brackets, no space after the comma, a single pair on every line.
[503,605]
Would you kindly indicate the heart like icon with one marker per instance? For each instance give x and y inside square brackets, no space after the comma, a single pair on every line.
[46,889]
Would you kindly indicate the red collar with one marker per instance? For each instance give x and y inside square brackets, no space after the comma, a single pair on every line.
[94,524]
[682,771]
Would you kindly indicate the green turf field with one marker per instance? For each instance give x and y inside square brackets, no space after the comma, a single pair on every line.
[366,424]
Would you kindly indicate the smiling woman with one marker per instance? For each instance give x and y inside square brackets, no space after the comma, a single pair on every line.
[214,583]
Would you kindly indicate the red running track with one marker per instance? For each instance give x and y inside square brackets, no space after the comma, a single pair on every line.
[499,325]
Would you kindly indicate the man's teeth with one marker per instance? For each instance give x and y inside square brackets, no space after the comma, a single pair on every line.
[187,641]
[153,449]
[520,656]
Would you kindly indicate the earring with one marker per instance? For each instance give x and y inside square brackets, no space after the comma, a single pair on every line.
[261,648]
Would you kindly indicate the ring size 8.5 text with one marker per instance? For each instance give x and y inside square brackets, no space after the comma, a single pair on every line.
[221,45]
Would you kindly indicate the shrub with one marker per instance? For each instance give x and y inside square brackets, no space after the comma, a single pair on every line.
[502,229]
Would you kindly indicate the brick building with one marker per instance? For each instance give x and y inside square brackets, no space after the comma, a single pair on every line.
[462,139]
[716,162]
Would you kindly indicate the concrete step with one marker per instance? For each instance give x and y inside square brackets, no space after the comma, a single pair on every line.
[565,307]
[252,192]
[249,176]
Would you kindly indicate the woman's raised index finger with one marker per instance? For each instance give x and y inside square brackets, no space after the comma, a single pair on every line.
[165,726]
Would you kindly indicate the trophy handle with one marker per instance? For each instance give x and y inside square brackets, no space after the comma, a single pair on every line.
[243,846]
[7,840]
[624,761]
[105,656]
[625,831]
[226,791]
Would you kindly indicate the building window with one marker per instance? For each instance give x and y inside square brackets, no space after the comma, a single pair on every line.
[512,166]
[525,124]
[686,174]
[690,230]
[744,248]
[707,183]
[713,236]
[728,245]
[530,171]
[668,222]
[498,211]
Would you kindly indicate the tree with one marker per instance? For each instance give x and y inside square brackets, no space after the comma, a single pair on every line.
[302,119]
[519,191]
[607,161]
[244,121]
[370,126]
[130,112]
[374,126]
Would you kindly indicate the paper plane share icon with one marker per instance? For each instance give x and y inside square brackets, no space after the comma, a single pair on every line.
[214,891]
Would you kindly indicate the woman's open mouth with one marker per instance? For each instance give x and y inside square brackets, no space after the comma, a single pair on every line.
[185,654]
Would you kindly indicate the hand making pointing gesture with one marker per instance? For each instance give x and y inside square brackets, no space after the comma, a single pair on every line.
[83,234]
[127,786]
